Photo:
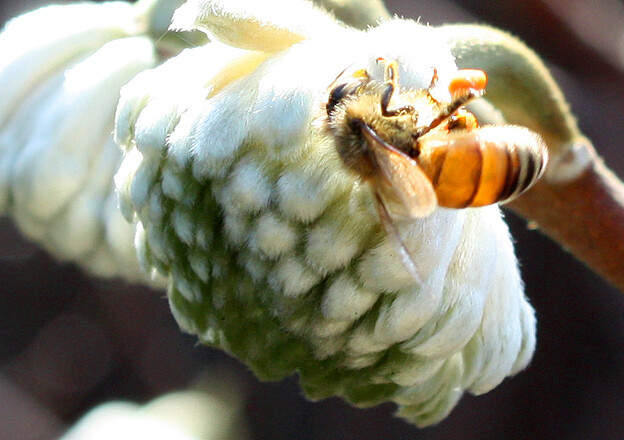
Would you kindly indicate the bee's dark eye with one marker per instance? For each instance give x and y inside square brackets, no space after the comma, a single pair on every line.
[335,96]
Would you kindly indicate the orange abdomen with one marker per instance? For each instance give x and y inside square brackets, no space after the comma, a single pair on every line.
[481,167]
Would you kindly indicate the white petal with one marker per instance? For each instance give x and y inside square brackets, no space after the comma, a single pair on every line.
[270,25]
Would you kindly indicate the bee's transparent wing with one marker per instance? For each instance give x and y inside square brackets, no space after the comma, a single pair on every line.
[401,179]
[267,26]
[395,237]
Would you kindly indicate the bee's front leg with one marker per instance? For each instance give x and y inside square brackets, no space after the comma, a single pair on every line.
[391,78]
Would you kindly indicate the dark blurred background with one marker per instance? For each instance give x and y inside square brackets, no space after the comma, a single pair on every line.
[69,341]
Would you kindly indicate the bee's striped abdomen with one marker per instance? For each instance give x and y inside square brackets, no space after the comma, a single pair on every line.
[480,167]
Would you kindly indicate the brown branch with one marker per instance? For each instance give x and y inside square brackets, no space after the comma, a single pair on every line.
[585,216]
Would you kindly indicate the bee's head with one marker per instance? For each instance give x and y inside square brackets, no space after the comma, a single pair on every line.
[344,86]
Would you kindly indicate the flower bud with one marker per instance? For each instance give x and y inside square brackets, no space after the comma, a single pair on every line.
[273,249]
[60,73]
[181,415]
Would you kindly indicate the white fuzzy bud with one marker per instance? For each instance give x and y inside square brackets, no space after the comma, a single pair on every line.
[188,415]
[60,74]
[274,250]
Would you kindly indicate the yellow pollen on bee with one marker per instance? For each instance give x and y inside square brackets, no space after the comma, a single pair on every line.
[467,80]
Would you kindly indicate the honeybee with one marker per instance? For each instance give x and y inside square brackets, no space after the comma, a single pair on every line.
[418,153]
